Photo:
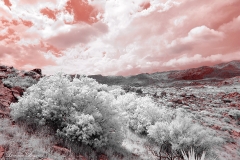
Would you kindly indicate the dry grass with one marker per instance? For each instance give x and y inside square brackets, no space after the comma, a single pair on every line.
[19,144]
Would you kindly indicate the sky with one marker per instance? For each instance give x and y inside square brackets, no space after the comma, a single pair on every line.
[118,37]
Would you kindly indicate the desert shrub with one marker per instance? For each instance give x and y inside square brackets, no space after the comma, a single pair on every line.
[182,134]
[225,119]
[13,74]
[23,82]
[191,155]
[116,91]
[78,109]
[84,129]
[141,112]
[235,114]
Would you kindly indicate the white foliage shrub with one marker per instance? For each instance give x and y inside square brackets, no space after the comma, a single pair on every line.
[23,82]
[83,129]
[141,112]
[182,134]
[80,109]
[234,113]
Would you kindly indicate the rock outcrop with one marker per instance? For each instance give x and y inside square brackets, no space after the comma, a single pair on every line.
[6,97]
[2,150]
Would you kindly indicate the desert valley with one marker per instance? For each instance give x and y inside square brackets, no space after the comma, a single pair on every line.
[209,95]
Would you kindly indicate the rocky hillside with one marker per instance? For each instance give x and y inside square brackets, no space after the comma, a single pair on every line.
[12,85]
[193,76]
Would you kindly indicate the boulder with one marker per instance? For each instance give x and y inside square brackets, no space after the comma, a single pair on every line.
[3,75]
[179,101]
[6,97]
[30,73]
[61,150]
[2,151]
[37,70]
[3,67]
[170,104]
[17,92]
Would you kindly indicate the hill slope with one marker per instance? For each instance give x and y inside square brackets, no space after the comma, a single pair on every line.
[201,75]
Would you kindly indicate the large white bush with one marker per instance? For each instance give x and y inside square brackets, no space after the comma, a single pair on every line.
[80,109]
[141,112]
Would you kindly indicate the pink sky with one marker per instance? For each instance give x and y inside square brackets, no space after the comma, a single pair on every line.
[118,37]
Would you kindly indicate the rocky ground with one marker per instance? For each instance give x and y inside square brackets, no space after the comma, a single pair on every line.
[211,102]
[212,106]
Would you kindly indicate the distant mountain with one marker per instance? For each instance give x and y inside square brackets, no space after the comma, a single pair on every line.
[220,71]
[201,74]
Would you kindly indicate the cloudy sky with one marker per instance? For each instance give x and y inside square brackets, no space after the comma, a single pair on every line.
[118,37]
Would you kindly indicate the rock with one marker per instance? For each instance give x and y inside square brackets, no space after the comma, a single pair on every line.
[216,127]
[191,74]
[170,104]
[194,106]
[4,114]
[185,107]
[235,133]
[234,104]
[156,95]
[3,67]
[163,94]
[139,91]
[3,75]
[217,102]
[37,70]
[102,157]
[2,151]
[37,76]
[61,150]
[179,101]
[6,97]
[190,96]
[227,100]
[82,157]
[182,94]
[30,73]
[17,92]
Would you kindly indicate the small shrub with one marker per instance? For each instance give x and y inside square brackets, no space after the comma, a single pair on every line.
[235,114]
[226,128]
[192,156]
[23,82]
[225,119]
[238,122]
[13,74]
[182,134]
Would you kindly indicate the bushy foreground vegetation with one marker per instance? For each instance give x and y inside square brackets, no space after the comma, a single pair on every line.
[93,114]
[78,110]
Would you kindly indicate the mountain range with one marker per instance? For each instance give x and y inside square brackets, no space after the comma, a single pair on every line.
[192,76]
